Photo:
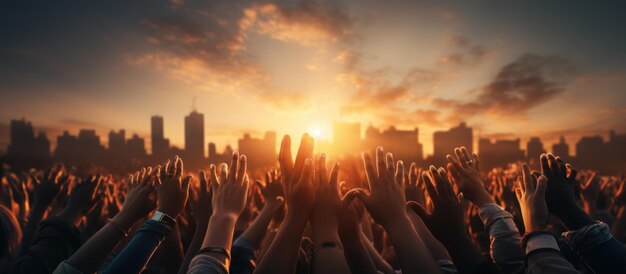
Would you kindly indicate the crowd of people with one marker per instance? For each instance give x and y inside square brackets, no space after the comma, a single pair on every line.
[308,216]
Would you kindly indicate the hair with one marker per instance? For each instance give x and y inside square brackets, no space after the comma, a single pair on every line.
[10,233]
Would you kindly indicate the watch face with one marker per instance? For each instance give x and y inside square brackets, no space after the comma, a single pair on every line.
[163,218]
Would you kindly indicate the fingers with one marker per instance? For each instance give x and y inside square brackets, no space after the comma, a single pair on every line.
[215,182]
[561,167]
[399,173]
[204,185]
[370,172]
[234,166]
[545,167]
[285,158]
[243,166]
[223,173]
[571,173]
[461,157]
[321,171]
[554,167]
[304,152]
[476,161]
[542,186]
[349,197]
[334,176]
[526,183]
[361,195]
[186,182]
[380,163]
[430,188]
[413,174]
[307,172]
[390,164]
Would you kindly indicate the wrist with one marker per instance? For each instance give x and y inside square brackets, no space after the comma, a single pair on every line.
[124,220]
[70,214]
[483,199]
[170,212]
[576,218]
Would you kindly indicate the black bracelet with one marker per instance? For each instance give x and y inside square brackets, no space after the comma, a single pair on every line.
[529,235]
[215,249]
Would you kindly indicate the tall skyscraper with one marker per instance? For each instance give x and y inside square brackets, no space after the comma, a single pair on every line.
[194,136]
[159,143]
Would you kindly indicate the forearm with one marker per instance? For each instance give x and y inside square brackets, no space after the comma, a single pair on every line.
[220,234]
[283,252]
[434,246]
[411,251]
[327,259]
[258,228]
[140,248]
[575,218]
[464,254]
[378,260]
[356,254]
[504,238]
[34,219]
[194,246]
[619,227]
[95,251]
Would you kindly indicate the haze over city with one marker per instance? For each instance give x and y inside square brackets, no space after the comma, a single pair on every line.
[509,70]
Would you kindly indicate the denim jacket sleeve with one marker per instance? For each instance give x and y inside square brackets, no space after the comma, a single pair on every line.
[140,249]
[544,256]
[244,257]
[203,263]
[597,248]
[55,241]
[504,238]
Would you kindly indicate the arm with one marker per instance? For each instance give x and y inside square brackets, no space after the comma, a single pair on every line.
[503,233]
[448,226]
[619,226]
[328,256]
[90,256]
[541,249]
[387,205]
[44,194]
[354,250]
[282,254]
[230,192]
[202,211]
[172,193]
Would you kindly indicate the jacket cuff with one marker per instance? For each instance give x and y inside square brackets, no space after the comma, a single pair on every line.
[490,213]
[588,237]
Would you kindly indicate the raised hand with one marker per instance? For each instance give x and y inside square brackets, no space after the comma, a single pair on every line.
[531,194]
[386,201]
[414,185]
[172,190]
[324,216]
[230,188]
[50,185]
[296,177]
[203,206]
[465,171]
[620,194]
[138,202]
[560,192]
[83,198]
[446,222]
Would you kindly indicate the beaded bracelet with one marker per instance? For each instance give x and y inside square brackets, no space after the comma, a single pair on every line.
[215,249]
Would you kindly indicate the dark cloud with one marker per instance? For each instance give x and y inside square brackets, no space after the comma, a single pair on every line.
[519,86]
[464,53]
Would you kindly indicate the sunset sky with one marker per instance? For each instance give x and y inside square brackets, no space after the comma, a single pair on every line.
[509,69]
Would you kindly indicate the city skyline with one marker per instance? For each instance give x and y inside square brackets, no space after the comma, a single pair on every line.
[86,148]
[507,69]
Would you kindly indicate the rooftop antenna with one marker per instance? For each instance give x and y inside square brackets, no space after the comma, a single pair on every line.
[193,104]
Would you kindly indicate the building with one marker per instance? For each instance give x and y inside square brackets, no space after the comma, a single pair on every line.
[160,145]
[590,152]
[444,142]
[404,144]
[194,138]
[561,149]
[499,153]
[261,153]
[136,149]
[26,149]
[534,148]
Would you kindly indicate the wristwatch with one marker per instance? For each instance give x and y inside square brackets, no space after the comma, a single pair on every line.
[163,218]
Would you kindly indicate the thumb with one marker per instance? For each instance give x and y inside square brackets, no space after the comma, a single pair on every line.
[542,186]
